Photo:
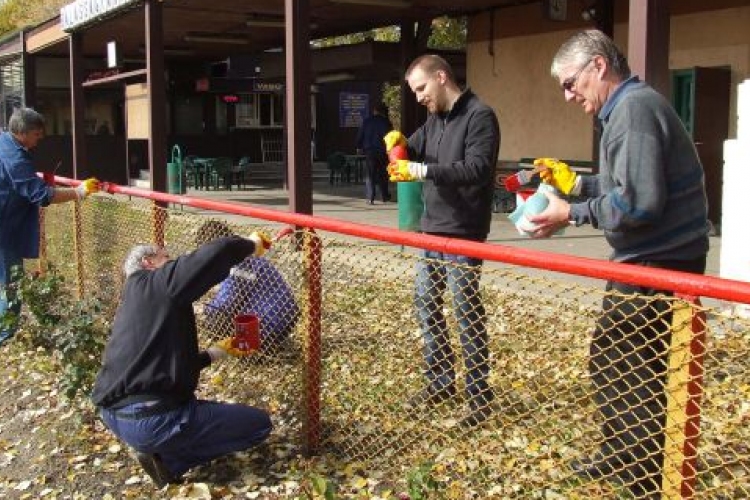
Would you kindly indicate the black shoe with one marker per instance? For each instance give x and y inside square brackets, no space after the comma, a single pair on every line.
[155,468]
[430,397]
[370,202]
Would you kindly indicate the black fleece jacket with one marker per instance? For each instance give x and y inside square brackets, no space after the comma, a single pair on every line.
[461,149]
[153,346]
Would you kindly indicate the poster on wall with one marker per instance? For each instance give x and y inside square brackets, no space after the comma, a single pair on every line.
[352,109]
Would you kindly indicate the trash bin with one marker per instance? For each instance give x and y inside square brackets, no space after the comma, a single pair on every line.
[410,205]
[175,174]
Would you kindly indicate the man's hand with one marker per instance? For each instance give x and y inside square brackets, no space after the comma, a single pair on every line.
[405,171]
[87,187]
[557,174]
[226,347]
[262,243]
[394,138]
[552,219]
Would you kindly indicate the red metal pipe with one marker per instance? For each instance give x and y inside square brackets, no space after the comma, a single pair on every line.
[678,282]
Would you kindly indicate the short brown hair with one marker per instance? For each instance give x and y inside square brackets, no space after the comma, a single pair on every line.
[431,64]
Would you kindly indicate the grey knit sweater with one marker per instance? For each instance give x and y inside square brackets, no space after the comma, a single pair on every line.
[649,196]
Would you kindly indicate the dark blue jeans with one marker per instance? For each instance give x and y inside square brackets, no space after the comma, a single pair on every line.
[191,435]
[8,260]
[461,274]
[628,367]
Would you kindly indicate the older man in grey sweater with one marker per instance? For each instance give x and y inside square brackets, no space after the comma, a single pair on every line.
[649,199]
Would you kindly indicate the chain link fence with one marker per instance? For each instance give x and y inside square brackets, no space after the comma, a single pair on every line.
[497,381]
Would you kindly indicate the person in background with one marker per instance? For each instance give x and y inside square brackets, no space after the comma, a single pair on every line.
[455,153]
[649,199]
[370,142]
[254,286]
[22,193]
[145,390]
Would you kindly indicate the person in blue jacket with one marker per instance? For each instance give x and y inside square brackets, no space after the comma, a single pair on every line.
[22,193]
[370,142]
[254,286]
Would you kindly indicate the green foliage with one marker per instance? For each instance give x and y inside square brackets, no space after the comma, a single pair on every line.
[16,14]
[71,330]
[421,483]
[448,33]
[323,487]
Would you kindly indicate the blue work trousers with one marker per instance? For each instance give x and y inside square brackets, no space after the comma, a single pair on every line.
[461,274]
[192,434]
[8,260]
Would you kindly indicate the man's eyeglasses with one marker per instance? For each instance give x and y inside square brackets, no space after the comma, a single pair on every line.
[570,82]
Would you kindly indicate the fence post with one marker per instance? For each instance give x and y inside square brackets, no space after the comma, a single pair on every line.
[158,221]
[78,245]
[313,264]
[684,391]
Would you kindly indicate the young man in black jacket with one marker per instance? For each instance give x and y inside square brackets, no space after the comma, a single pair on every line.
[455,154]
[145,389]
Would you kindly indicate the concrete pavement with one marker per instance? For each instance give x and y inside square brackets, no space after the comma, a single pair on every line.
[347,202]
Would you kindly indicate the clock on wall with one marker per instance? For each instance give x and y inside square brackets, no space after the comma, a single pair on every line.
[555,10]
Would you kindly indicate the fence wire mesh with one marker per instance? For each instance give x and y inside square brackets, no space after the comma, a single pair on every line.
[500,381]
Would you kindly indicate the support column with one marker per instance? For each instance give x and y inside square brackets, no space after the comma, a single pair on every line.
[648,43]
[298,115]
[28,63]
[75,44]
[157,143]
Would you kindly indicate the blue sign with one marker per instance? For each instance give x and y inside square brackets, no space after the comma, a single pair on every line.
[352,109]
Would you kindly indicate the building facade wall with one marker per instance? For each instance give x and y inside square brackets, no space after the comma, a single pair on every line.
[511,74]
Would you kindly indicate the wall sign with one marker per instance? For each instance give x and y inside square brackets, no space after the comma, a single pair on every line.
[82,12]
[352,109]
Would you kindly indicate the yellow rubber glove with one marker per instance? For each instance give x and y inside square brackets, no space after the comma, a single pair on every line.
[398,171]
[394,138]
[87,187]
[557,173]
[262,243]
[226,347]
[405,171]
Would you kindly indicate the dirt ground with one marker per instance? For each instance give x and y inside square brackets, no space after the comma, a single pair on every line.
[51,448]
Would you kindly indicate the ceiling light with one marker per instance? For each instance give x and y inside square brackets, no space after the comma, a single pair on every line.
[334,77]
[398,4]
[234,40]
[265,21]
[271,23]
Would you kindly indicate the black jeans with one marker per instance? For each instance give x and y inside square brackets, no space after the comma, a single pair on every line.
[628,364]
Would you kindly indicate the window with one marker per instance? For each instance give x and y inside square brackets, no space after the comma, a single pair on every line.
[246,111]
[259,111]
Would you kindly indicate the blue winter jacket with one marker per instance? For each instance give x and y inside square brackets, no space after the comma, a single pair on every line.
[22,192]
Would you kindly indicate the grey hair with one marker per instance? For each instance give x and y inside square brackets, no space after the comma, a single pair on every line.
[580,48]
[134,260]
[24,120]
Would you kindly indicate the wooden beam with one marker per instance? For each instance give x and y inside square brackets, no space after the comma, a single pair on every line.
[128,75]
